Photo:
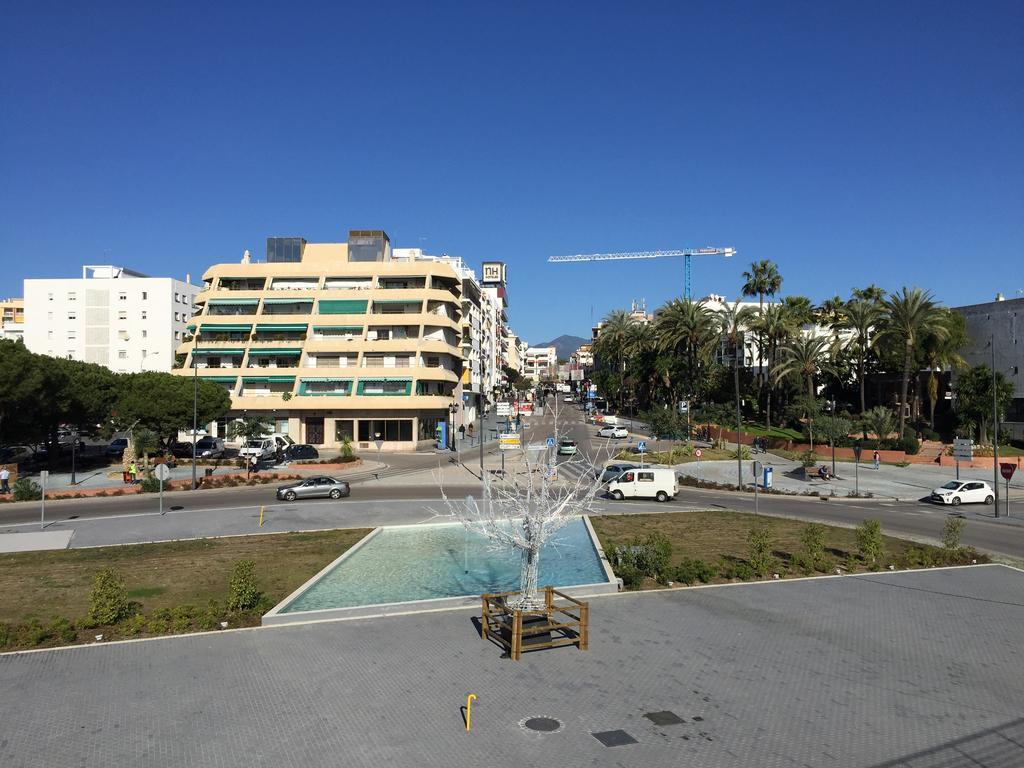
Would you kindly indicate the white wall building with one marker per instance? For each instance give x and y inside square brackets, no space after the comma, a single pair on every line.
[112,316]
[540,363]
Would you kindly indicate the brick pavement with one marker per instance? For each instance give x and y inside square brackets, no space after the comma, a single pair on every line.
[917,669]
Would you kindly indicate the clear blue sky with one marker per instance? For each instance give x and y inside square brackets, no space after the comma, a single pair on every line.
[850,143]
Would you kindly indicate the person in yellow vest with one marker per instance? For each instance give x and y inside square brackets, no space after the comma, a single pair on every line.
[133,472]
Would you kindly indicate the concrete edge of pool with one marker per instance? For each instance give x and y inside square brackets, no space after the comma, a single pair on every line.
[276,615]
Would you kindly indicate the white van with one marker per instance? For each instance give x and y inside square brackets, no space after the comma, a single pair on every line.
[657,483]
[266,447]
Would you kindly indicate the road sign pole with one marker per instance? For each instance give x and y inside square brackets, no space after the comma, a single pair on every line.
[856,477]
[1007,497]
[958,469]
[43,474]
[161,495]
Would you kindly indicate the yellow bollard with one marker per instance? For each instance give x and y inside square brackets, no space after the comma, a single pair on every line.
[469,709]
[261,516]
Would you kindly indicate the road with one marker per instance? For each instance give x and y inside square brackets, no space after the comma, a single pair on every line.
[228,511]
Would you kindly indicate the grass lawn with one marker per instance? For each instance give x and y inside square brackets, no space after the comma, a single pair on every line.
[781,432]
[161,576]
[678,455]
[719,538]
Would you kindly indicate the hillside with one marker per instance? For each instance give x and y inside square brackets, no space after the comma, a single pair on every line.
[565,345]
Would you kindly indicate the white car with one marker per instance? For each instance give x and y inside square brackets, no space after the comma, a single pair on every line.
[958,492]
[613,432]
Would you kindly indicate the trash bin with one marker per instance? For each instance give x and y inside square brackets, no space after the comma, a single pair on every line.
[767,477]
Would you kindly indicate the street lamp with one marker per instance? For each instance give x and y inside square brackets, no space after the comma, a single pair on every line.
[833,437]
[995,436]
[452,409]
[195,405]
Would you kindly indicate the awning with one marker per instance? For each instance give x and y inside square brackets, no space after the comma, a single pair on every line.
[210,328]
[337,327]
[326,381]
[218,351]
[398,301]
[342,306]
[375,380]
[234,302]
[257,351]
[220,379]
[287,301]
[271,379]
[279,327]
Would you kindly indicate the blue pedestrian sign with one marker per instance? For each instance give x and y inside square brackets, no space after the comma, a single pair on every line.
[550,442]
[642,446]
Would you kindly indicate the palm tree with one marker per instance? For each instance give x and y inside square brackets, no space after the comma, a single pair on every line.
[941,351]
[879,421]
[909,315]
[831,314]
[762,280]
[640,339]
[872,294]
[687,328]
[801,309]
[731,323]
[861,317]
[776,327]
[805,356]
[611,342]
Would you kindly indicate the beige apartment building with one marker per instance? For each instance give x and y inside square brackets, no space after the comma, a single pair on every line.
[12,318]
[330,341]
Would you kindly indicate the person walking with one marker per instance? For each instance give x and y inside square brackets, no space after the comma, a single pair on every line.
[133,471]
[253,466]
[876,459]
[5,480]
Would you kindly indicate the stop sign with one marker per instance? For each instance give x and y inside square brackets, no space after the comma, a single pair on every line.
[1007,469]
[698,453]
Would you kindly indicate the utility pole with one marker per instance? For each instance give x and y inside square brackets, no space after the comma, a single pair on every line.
[995,432]
[195,406]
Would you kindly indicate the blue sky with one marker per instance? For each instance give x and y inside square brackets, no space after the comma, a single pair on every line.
[848,142]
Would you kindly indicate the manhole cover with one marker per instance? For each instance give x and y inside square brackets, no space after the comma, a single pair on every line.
[664,718]
[614,738]
[542,724]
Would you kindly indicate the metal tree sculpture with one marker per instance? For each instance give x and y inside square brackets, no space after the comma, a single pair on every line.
[524,512]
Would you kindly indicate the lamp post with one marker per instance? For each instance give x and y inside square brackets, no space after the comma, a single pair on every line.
[995,432]
[195,406]
[832,438]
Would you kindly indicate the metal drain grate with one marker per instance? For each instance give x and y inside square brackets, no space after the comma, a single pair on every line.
[541,724]
[664,718]
[614,738]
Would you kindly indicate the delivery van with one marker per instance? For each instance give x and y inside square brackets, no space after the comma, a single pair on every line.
[657,483]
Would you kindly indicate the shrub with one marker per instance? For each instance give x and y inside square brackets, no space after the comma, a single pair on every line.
[149,484]
[63,630]
[692,570]
[804,562]
[243,591]
[108,601]
[182,617]
[813,538]
[744,453]
[632,577]
[952,530]
[759,549]
[869,542]
[6,634]
[808,458]
[346,450]
[732,570]
[25,489]
[134,625]
[32,632]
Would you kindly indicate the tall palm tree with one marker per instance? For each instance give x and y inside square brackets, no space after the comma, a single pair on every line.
[941,351]
[641,338]
[610,345]
[831,313]
[804,357]
[801,309]
[872,294]
[689,329]
[861,317]
[776,327]
[732,320]
[908,316]
[762,280]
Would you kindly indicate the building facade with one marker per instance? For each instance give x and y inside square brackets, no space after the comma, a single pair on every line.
[12,318]
[334,341]
[112,316]
[999,322]
[540,363]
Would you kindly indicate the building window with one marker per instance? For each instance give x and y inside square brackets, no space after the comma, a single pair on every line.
[72,316]
[177,297]
[122,314]
[49,334]
[72,335]
[389,429]
[72,296]
[144,333]
[145,295]
[122,296]
[71,354]
[143,314]
[428,427]
[49,297]
[343,430]
[177,317]
[122,354]
[177,335]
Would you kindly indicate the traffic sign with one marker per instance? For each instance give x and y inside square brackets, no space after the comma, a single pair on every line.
[1006,470]
[162,472]
[503,409]
[550,442]
[698,453]
[378,443]
[509,441]
[856,452]
[963,449]
[757,470]
[641,446]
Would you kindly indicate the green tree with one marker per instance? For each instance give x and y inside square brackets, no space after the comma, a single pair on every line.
[610,348]
[800,308]
[687,333]
[762,280]
[973,397]
[760,544]
[861,318]
[162,402]
[250,428]
[831,314]
[908,316]
[146,441]
[812,536]
[243,590]
[776,326]
[872,294]
[732,322]
[108,600]
[880,421]
[942,350]
[870,543]
[804,357]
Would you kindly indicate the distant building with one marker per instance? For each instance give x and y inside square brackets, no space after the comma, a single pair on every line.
[540,363]
[12,318]
[1002,322]
[112,316]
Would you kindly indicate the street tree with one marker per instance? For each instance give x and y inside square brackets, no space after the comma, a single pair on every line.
[163,403]
[973,397]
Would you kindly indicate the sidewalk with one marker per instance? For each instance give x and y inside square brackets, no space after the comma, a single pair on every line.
[888,481]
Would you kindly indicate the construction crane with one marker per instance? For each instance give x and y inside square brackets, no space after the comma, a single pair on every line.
[686,253]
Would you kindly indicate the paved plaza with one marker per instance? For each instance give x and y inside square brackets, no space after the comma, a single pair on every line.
[891,669]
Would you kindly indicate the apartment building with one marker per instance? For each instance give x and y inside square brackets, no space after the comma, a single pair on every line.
[112,316]
[494,304]
[12,318]
[540,363]
[334,341]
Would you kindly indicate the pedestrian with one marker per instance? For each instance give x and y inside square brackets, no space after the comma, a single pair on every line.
[133,471]
[877,459]
[462,431]
[5,480]
[470,430]
[253,466]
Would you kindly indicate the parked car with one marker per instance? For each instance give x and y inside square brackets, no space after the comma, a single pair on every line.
[300,451]
[210,447]
[314,487]
[568,399]
[657,483]
[614,470]
[958,492]
[183,450]
[617,432]
[266,447]
[116,447]
[17,454]
[567,448]
[66,438]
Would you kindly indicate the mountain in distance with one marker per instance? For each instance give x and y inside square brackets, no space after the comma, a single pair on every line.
[564,345]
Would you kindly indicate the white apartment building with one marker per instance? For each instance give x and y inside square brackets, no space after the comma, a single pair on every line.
[540,363]
[124,320]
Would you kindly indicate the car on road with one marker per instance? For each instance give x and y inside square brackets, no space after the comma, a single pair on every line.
[210,447]
[613,470]
[567,448]
[658,483]
[568,399]
[314,488]
[617,432]
[266,447]
[300,451]
[958,492]
[116,447]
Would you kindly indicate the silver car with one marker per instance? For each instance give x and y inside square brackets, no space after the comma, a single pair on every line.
[313,488]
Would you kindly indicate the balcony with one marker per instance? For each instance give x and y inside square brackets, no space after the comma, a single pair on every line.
[231,307]
[242,283]
[294,307]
